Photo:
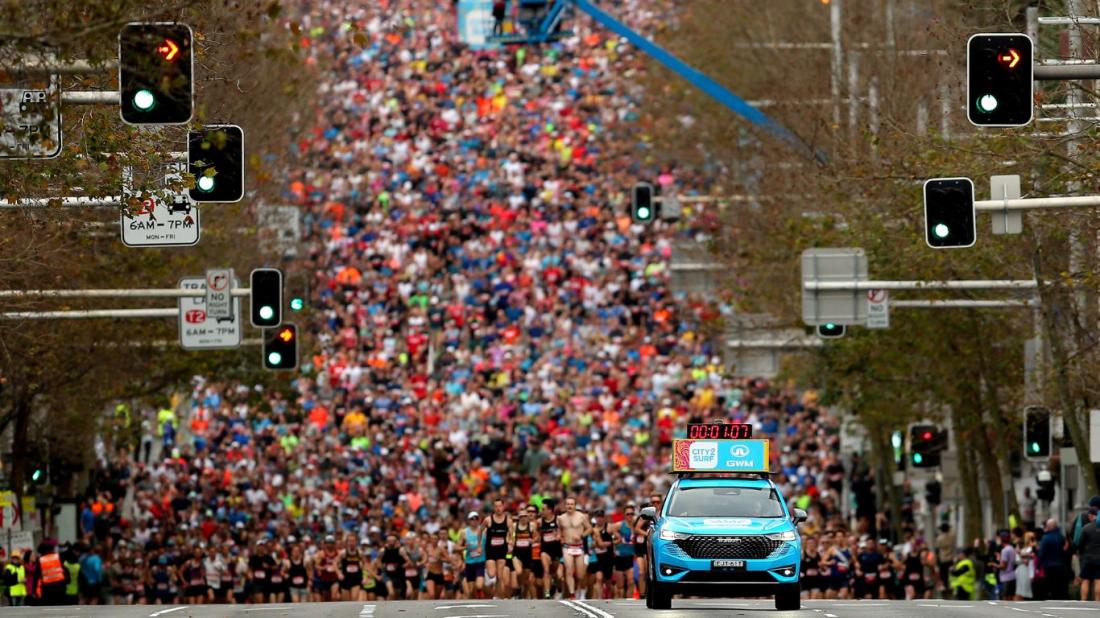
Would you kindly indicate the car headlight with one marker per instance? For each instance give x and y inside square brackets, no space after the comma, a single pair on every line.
[669,535]
[783,536]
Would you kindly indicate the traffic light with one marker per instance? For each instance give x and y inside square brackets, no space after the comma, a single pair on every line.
[897,441]
[830,331]
[1046,486]
[949,220]
[642,206]
[297,304]
[215,157]
[933,492]
[999,80]
[39,475]
[1037,443]
[266,297]
[155,73]
[281,348]
[925,444]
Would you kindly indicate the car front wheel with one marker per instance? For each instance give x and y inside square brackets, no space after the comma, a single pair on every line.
[788,597]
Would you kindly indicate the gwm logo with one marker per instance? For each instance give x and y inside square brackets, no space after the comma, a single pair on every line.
[740,451]
[704,455]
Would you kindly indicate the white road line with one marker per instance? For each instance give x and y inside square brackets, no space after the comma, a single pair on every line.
[1017,609]
[578,608]
[367,611]
[599,612]
[1072,609]
[468,606]
[265,609]
[479,616]
[830,615]
[167,611]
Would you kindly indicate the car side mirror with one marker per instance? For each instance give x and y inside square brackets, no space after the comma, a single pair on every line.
[799,516]
[649,513]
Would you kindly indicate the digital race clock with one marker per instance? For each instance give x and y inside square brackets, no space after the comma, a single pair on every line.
[719,431]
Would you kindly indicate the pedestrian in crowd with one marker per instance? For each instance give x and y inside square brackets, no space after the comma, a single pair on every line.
[963,577]
[1025,567]
[1006,567]
[15,578]
[500,8]
[1054,561]
[945,553]
[1088,546]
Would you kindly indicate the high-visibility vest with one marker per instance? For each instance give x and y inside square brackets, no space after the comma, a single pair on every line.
[967,580]
[19,589]
[52,571]
[73,587]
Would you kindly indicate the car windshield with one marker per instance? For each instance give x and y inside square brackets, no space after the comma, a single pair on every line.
[725,502]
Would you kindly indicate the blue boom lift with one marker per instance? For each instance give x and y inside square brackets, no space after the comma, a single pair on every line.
[541,21]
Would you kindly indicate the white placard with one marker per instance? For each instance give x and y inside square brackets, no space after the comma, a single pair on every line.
[199,331]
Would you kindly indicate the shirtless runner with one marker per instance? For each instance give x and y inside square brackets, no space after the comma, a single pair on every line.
[574,527]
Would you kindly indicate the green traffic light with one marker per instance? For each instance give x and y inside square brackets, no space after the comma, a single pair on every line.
[987,103]
[644,213]
[297,304]
[941,230]
[274,359]
[36,475]
[267,312]
[918,458]
[144,100]
[205,184]
[1034,447]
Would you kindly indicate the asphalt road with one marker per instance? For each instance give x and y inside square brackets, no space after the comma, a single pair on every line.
[690,608]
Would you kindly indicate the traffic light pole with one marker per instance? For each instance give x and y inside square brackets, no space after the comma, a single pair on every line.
[118,293]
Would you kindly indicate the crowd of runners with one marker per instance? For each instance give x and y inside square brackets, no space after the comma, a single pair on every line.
[498,364]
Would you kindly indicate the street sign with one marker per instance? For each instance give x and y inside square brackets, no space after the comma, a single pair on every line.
[200,331]
[217,293]
[838,307]
[280,229]
[878,309]
[1006,187]
[30,110]
[165,218]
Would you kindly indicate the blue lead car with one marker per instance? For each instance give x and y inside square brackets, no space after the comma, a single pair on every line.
[723,529]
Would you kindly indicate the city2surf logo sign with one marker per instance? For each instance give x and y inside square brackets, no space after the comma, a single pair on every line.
[720,456]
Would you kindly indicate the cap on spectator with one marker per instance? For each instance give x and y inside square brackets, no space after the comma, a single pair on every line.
[472,515]
[1094,502]
[330,539]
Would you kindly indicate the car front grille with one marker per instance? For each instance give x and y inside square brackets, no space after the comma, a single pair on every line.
[728,546]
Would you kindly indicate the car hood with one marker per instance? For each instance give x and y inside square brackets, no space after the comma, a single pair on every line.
[726,525]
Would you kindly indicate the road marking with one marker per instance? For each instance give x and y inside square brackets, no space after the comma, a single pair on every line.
[367,611]
[167,611]
[578,608]
[479,616]
[470,606]
[830,615]
[1017,609]
[599,612]
[1072,609]
[266,609]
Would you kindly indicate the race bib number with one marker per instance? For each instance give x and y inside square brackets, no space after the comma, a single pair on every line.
[391,567]
[914,577]
[298,580]
[496,542]
[574,551]
[353,568]
[197,582]
[884,576]
[869,577]
[410,572]
[811,572]
[523,542]
[276,579]
[549,537]
[259,575]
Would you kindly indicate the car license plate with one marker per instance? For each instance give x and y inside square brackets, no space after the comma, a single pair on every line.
[727,564]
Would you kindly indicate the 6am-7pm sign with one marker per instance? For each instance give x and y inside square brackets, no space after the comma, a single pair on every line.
[199,331]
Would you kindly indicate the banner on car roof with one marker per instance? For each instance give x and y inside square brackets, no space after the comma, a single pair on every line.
[720,455]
